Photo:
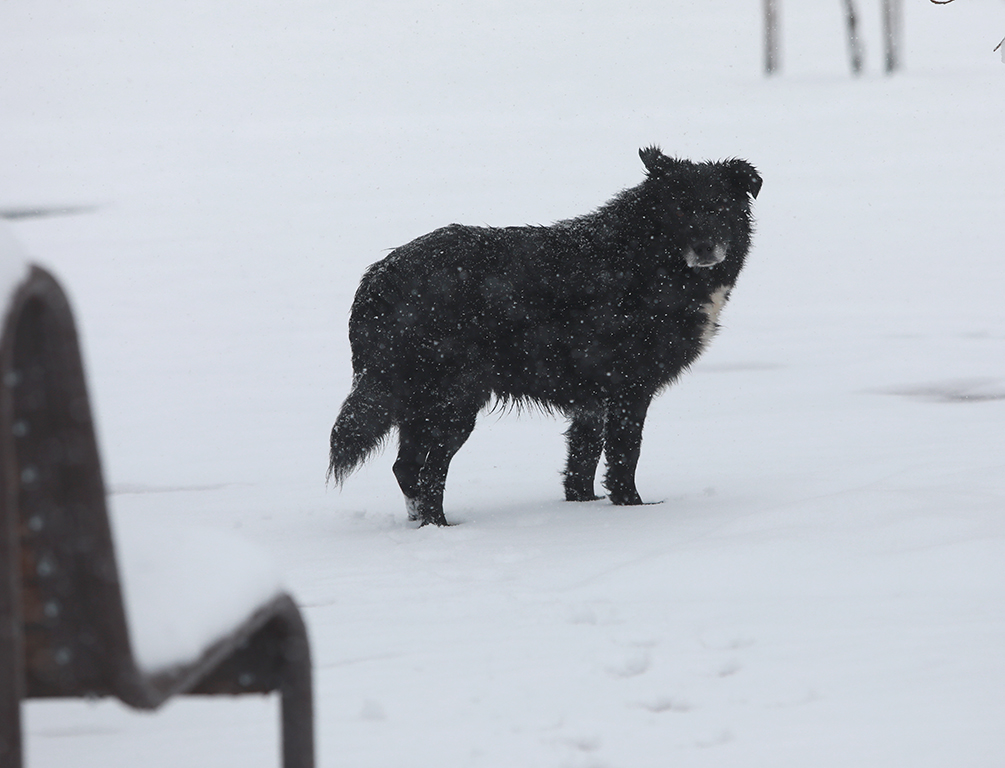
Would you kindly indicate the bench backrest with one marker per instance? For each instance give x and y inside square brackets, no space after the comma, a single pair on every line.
[75,641]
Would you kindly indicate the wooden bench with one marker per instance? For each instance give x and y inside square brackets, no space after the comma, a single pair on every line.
[65,628]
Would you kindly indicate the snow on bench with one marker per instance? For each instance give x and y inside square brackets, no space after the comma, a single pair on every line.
[185,588]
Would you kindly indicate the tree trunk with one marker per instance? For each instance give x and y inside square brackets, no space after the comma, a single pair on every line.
[854,41]
[771,60]
[892,27]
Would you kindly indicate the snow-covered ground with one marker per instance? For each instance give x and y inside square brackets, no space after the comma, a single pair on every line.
[824,582]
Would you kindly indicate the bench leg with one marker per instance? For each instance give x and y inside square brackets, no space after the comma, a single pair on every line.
[11,644]
[10,707]
[10,735]
[297,696]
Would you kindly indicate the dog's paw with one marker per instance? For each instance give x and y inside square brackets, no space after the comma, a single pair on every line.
[626,499]
[440,521]
[571,495]
[412,507]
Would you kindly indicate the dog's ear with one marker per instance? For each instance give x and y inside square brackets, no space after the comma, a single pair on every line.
[651,159]
[744,176]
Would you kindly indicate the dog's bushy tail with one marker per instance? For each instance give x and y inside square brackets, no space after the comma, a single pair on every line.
[362,424]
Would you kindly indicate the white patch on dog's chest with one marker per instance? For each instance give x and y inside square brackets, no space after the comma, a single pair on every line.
[712,308]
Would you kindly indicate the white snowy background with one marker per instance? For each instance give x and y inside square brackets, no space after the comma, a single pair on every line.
[824,582]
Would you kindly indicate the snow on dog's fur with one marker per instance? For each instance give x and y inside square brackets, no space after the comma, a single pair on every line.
[590,317]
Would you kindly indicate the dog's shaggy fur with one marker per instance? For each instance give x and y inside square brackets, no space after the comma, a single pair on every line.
[590,317]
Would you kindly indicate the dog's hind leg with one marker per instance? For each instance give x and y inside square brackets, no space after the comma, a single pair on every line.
[414,442]
[585,439]
[450,429]
[626,414]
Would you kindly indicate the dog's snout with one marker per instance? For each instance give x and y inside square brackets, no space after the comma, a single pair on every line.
[704,251]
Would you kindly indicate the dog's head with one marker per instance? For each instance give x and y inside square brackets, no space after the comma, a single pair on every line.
[702,210]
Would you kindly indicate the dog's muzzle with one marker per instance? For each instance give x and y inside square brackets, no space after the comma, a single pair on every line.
[704,255]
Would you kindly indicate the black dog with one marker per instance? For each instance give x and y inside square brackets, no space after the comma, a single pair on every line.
[590,317]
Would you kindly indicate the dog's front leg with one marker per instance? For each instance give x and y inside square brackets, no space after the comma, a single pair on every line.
[626,414]
[585,438]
